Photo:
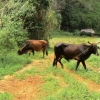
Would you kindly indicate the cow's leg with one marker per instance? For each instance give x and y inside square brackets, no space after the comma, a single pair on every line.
[33,52]
[46,52]
[29,53]
[43,53]
[55,62]
[78,62]
[60,62]
[84,64]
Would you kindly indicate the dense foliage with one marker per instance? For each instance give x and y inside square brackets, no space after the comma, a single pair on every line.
[80,14]
[25,19]
[34,19]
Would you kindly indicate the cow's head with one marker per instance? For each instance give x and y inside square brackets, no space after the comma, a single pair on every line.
[20,52]
[94,48]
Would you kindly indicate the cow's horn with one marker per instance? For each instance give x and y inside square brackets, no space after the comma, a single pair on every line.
[97,42]
[89,42]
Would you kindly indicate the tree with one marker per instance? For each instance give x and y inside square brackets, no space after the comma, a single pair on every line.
[80,14]
[26,19]
[35,16]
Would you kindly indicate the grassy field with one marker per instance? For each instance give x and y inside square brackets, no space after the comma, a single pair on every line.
[57,83]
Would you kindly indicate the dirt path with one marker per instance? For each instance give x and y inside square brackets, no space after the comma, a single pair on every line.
[90,84]
[29,89]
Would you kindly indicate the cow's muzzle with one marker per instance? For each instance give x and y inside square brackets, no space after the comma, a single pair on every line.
[19,52]
[97,54]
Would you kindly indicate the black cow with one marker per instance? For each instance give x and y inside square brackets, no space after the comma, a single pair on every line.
[79,52]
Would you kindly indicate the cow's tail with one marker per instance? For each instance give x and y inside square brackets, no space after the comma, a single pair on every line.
[54,52]
[47,47]
[46,52]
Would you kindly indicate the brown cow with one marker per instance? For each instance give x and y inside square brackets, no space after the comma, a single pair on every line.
[34,45]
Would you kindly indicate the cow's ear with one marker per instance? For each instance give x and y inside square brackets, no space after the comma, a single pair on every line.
[98,47]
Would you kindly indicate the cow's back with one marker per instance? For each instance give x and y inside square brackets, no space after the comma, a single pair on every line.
[74,51]
[44,43]
[37,45]
[59,49]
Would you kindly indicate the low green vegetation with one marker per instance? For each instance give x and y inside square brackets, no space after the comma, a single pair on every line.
[95,61]
[90,74]
[12,62]
[6,96]
[60,85]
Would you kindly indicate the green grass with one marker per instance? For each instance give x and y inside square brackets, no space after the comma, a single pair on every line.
[90,74]
[73,90]
[6,96]
[12,63]
[2,3]
[58,84]
[95,61]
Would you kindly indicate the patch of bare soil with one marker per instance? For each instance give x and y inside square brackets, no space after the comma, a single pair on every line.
[27,89]
[30,88]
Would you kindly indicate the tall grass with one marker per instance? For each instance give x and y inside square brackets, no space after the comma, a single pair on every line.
[11,62]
